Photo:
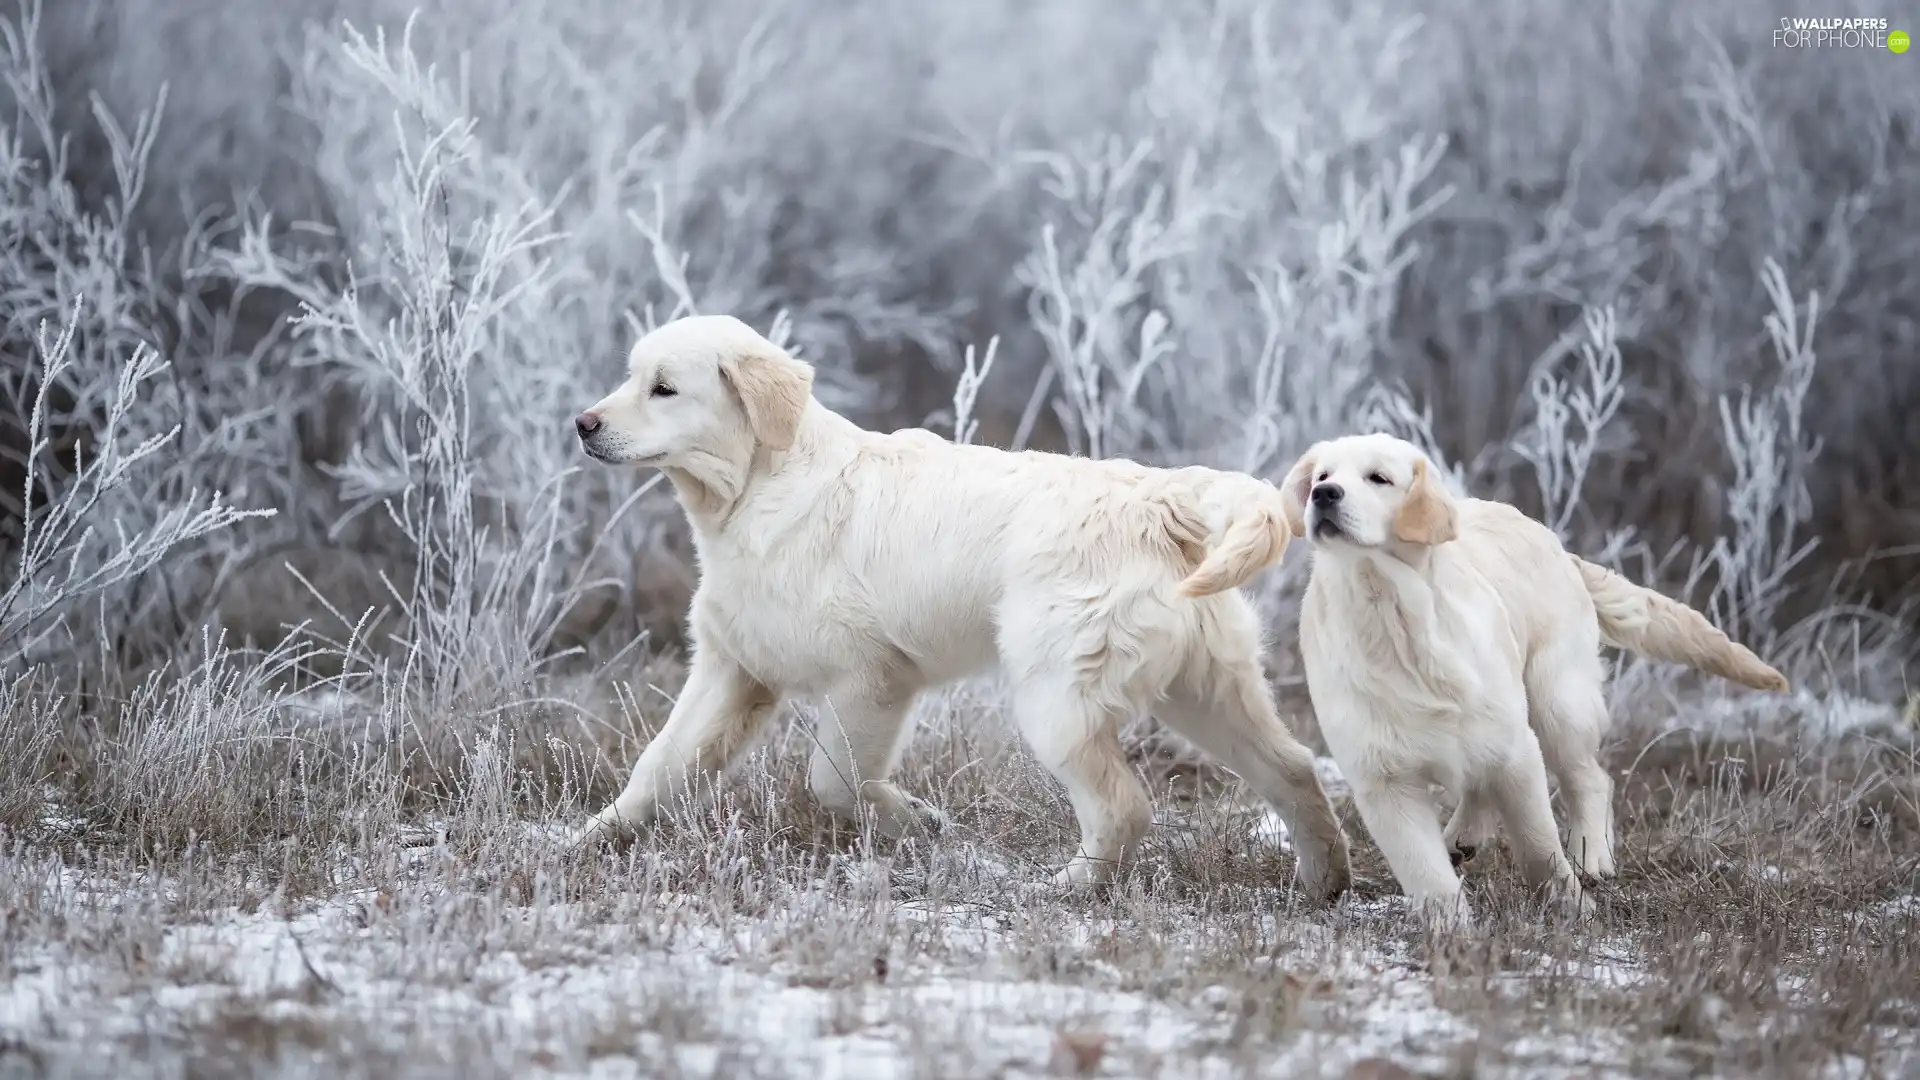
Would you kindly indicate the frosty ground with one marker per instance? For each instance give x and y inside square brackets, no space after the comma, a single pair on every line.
[1763,924]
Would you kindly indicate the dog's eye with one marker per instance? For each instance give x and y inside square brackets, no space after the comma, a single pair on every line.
[1321,479]
[1378,478]
[661,389]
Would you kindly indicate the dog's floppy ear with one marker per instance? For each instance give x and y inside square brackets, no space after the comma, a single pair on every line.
[1296,487]
[1428,516]
[774,388]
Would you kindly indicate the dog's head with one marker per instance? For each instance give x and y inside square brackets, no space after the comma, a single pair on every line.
[701,388]
[1368,491]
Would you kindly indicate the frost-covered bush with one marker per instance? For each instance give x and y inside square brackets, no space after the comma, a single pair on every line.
[92,533]
[125,436]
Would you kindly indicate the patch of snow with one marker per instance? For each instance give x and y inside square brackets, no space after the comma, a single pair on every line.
[1831,715]
[697,996]
[1331,778]
[1270,828]
[1844,1067]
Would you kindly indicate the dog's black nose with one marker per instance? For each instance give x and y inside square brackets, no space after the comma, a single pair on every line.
[586,424]
[1327,494]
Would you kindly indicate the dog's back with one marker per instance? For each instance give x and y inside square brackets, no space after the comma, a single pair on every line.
[1556,598]
[905,542]
[1527,567]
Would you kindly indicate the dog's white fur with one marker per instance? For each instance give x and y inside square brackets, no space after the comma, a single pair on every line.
[860,568]
[1455,642]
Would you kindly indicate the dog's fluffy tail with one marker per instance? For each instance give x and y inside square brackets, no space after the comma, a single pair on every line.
[1642,621]
[1233,527]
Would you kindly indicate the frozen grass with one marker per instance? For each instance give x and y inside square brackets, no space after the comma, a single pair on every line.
[1762,925]
[313,634]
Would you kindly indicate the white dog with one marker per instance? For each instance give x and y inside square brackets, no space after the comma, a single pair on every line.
[862,567]
[1441,635]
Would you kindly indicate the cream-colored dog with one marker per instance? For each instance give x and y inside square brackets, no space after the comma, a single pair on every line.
[1455,642]
[859,568]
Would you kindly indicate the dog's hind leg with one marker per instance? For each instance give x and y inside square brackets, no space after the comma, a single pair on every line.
[1568,704]
[719,713]
[857,742]
[1227,710]
[1078,740]
[1518,788]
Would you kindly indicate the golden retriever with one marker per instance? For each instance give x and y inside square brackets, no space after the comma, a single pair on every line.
[860,568]
[1454,641]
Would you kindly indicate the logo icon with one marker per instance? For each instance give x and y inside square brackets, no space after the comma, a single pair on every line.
[1898,41]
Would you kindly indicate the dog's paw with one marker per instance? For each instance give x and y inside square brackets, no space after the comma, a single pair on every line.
[1446,914]
[900,815]
[591,835]
[1324,884]
[1570,900]
[1595,863]
[599,834]
[1084,873]
[1323,871]
[1335,884]
[927,817]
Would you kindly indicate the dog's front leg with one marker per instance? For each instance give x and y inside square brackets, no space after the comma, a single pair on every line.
[717,716]
[1401,817]
[857,742]
[1475,824]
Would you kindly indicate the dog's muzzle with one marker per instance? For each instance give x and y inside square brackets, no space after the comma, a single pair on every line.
[1326,509]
